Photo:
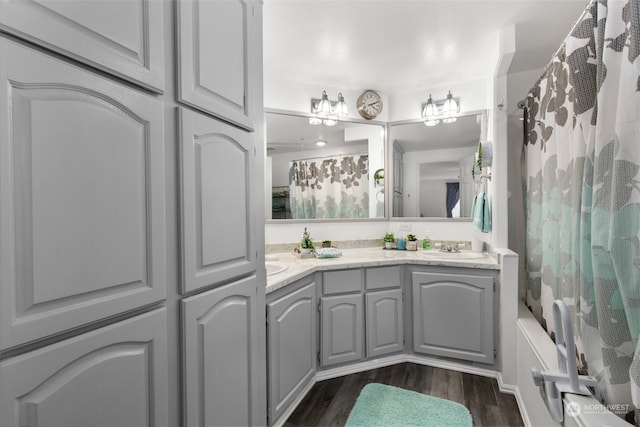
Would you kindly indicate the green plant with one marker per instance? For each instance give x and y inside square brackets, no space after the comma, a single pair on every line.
[389,237]
[411,237]
[306,242]
[477,165]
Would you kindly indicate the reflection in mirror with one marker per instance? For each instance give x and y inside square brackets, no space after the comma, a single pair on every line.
[334,180]
[432,166]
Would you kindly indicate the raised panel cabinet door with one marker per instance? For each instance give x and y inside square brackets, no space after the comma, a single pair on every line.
[292,347]
[218,200]
[221,359]
[220,51]
[122,37]
[453,316]
[113,376]
[342,333]
[384,322]
[82,197]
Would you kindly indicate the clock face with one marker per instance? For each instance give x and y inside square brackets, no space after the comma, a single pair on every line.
[369,104]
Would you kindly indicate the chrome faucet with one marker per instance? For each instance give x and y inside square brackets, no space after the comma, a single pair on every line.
[449,247]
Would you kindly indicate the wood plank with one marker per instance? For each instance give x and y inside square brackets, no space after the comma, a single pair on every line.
[329,402]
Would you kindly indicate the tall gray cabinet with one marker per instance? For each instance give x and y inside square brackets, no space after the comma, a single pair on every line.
[122,268]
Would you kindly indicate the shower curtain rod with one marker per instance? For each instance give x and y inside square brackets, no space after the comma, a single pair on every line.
[563,44]
[331,156]
[522,103]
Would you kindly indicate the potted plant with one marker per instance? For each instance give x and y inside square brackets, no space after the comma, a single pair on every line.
[389,239]
[306,244]
[412,242]
[326,243]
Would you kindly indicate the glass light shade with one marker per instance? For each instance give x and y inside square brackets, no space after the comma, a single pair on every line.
[449,120]
[450,106]
[315,121]
[324,107]
[321,143]
[341,109]
[431,122]
[430,111]
[329,122]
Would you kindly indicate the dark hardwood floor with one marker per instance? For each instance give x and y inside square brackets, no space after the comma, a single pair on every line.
[329,402]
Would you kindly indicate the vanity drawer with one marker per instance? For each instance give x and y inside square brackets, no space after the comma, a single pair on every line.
[341,281]
[382,277]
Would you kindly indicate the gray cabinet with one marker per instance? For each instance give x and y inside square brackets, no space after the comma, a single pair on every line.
[125,38]
[291,329]
[453,315]
[112,376]
[353,320]
[384,322]
[220,51]
[82,196]
[341,329]
[219,202]
[220,367]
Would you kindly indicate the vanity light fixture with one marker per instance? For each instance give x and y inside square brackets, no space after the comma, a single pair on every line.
[444,109]
[324,107]
[430,113]
[341,109]
[327,112]
[449,109]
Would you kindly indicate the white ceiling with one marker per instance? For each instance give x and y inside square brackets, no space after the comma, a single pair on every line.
[403,46]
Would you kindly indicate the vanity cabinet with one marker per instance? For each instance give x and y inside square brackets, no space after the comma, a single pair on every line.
[341,329]
[453,315]
[341,317]
[357,323]
[127,40]
[112,376]
[384,322]
[221,340]
[292,338]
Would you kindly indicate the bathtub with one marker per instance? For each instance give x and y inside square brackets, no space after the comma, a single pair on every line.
[536,349]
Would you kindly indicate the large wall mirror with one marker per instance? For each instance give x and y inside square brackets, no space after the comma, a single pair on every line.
[316,171]
[432,166]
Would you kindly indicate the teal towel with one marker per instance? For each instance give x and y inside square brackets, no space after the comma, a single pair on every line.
[481,212]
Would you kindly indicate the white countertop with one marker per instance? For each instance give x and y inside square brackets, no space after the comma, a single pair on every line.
[298,268]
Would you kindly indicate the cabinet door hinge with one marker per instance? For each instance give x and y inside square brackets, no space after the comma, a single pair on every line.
[320,307]
[495,288]
[318,357]
[495,354]
[402,296]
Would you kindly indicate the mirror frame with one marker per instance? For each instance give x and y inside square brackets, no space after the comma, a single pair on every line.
[387,202]
[390,175]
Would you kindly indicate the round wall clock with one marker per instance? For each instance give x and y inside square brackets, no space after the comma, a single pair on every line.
[369,104]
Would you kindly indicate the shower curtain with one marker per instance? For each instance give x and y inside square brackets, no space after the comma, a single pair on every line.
[583,195]
[330,187]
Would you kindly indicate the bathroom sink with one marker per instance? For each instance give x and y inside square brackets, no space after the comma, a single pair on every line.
[454,255]
[275,267]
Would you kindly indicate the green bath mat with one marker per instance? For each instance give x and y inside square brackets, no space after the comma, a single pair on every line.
[383,405]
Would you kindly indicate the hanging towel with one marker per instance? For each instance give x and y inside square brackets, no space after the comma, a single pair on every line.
[481,212]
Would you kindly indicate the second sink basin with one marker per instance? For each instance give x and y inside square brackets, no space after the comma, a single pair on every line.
[454,255]
[275,267]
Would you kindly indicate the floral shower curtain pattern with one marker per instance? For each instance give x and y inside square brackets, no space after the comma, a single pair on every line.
[335,187]
[583,194]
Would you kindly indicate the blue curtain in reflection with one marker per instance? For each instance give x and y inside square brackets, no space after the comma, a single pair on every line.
[453,195]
